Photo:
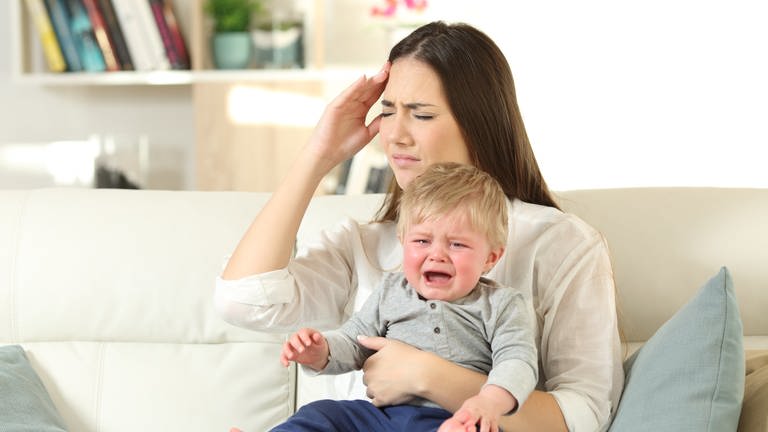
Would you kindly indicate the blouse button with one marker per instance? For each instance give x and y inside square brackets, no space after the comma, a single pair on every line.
[432,305]
[437,330]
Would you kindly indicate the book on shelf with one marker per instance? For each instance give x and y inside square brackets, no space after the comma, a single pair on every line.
[141,34]
[176,35]
[109,35]
[88,48]
[122,52]
[173,42]
[58,11]
[100,32]
[53,54]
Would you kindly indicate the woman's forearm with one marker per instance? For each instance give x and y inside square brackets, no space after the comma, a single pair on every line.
[449,385]
[268,243]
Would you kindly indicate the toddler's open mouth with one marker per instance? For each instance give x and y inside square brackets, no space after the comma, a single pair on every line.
[436,277]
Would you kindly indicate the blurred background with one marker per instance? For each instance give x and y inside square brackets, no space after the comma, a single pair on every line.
[614,94]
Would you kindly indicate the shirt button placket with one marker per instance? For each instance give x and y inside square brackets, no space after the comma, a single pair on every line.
[436,329]
[436,320]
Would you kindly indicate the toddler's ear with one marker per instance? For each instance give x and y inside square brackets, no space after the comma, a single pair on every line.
[493,257]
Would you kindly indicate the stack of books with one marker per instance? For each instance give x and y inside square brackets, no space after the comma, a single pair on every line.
[109,35]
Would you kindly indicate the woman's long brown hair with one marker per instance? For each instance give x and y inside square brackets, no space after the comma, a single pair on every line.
[478,85]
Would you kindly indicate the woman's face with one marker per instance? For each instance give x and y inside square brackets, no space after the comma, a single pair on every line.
[417,126]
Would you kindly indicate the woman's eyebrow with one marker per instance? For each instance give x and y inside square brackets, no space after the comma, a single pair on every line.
[412,105]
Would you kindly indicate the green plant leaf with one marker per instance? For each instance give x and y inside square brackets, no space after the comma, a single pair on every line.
[232,15]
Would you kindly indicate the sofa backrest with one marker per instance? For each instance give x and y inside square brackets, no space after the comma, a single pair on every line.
[667,242]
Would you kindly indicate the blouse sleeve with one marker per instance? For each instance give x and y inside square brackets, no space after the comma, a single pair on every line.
[515,366]
[317,288]
[580,344]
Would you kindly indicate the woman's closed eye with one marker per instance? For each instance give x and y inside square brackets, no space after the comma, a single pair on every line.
[416,109]
[422,117]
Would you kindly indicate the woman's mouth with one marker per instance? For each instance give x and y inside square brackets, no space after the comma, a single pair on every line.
[404,161]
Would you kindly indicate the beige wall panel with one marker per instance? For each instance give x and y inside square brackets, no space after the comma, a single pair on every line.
[246,156]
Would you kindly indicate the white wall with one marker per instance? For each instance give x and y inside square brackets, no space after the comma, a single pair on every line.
[614,93]
[658,92]
[643,93]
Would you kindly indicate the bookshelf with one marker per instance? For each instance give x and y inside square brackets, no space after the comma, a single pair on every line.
[29,64]
[246,153]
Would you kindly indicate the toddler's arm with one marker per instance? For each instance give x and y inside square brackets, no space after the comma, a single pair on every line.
[484,410]
[308,347]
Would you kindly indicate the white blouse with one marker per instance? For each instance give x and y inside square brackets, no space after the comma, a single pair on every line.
[560,260]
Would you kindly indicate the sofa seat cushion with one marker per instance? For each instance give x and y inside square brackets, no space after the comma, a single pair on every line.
[754,411]
[133,386]
[689,376]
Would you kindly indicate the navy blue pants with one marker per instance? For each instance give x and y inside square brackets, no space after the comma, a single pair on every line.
[360,415]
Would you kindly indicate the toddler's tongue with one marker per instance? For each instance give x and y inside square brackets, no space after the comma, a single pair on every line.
[437,277]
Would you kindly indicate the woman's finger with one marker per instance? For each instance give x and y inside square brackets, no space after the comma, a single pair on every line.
[373,342]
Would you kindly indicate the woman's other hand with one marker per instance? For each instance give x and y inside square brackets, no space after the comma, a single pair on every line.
[341,131]
[398,372]
[393,374]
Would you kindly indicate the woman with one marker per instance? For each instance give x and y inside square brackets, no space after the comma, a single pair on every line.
[447,95]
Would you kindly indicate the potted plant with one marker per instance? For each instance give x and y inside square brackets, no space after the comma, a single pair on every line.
[231,42]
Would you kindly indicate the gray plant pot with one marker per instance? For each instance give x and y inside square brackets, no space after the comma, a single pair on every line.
[232,50]
[278,49]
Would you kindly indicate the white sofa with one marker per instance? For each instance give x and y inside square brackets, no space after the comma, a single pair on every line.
[109,292]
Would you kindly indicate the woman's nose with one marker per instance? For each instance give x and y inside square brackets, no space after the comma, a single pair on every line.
[398,130]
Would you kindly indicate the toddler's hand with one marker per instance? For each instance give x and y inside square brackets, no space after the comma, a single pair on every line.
[456,424]
[308,347]
[484,410]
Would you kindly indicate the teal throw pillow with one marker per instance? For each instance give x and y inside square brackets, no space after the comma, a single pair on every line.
[25,405]
[689,376]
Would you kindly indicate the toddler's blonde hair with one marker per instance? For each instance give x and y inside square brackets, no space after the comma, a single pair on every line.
[448,186]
